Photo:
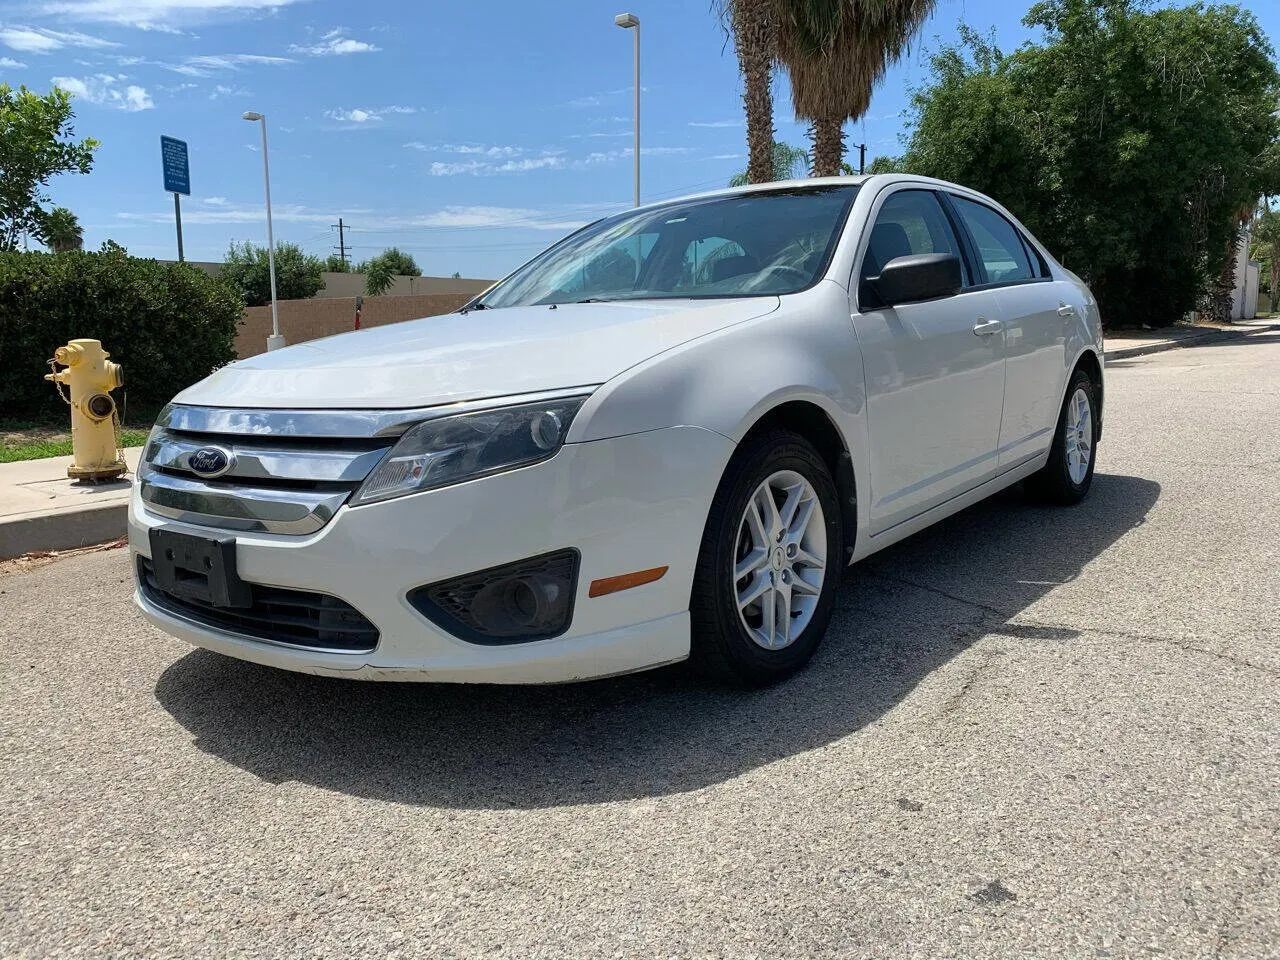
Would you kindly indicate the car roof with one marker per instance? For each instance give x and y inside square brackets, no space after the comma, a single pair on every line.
[806,182]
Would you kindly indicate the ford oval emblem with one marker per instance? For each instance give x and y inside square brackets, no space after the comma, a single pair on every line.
[210,462]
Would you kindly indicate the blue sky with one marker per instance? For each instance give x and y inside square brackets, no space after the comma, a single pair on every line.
[470,135]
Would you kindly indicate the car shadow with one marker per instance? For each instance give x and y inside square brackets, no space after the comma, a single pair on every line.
[900,614]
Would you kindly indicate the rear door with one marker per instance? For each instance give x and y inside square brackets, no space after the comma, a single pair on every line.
[934,371]
[1035,329]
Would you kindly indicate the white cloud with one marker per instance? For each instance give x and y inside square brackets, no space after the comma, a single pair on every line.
[448,217]
[205,65]
[715,124]
[494,162]
[215,201]
[362,116]
[106,90]
[9,64]
[612,156]
[222,90]
[726,156]
[493,217]
[159,14]
[39,40]
[596,99]
[333,43]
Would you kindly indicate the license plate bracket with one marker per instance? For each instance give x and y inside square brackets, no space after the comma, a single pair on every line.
[198,568]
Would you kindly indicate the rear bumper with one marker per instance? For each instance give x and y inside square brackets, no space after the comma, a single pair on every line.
[627,503]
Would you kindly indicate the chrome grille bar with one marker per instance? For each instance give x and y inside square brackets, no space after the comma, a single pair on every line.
[251,461]
[262,509]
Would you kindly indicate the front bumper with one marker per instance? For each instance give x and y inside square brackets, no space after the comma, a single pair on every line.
[626,503]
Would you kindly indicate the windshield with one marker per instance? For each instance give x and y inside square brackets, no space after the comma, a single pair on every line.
[745,245]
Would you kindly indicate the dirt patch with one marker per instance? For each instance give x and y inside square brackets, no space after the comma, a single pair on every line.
[42,558]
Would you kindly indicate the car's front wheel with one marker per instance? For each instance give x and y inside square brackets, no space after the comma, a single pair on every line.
[769,564]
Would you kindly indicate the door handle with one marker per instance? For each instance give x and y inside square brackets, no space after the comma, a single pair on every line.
[1066,310]
[985,328]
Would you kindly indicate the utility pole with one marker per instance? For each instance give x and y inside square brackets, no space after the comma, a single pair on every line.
[862,159]
[342,240]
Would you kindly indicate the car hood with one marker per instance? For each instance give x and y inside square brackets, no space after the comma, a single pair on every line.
[458,357]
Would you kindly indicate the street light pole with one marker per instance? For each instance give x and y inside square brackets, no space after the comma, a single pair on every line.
[629,21]
[275,341]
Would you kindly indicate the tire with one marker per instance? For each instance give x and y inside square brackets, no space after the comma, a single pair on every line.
[1061,480]
[742,647]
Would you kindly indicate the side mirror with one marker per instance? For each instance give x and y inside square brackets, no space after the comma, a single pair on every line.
[920,276]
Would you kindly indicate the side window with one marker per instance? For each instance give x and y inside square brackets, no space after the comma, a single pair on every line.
[909,222]
[999,247]
[710,259]
[1039,266]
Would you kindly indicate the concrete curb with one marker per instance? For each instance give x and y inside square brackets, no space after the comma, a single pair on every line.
[1208,336]
[62,529]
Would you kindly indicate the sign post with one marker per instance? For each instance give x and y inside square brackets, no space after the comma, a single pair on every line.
[177,178]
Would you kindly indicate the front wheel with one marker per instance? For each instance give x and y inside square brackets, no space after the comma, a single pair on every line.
[769,563]
[1067,476]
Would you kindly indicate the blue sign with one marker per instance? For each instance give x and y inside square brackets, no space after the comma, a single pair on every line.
[177,173]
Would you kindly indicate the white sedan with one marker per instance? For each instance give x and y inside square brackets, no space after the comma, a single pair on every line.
[660,439]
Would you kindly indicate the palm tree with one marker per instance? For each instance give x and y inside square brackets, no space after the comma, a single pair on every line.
[783,160]
[61,231]
[753,25]
[835,52]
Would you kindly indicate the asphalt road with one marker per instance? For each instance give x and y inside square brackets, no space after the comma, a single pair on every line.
[1031,732]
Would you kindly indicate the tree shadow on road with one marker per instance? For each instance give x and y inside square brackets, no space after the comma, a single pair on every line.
[900,615]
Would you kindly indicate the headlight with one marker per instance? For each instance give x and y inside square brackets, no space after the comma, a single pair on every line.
[448,450]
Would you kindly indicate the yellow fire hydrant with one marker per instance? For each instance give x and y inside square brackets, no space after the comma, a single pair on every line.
[90,377]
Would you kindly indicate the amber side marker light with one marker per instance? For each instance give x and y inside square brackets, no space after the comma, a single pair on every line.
[625,582]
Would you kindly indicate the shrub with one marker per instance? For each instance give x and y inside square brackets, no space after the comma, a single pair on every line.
[168,325]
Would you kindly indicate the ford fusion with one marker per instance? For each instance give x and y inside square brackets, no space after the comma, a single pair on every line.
[660,439]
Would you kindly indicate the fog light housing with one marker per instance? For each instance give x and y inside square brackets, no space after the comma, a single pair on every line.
[515,603]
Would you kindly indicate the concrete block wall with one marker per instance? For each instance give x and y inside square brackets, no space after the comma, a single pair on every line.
[302,320]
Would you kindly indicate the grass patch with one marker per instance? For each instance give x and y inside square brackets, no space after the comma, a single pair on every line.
[26,441]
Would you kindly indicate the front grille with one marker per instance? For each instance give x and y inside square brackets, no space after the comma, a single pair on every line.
[292,617]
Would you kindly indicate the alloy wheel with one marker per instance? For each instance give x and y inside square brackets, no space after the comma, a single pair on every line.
[780,560]
[1078,436]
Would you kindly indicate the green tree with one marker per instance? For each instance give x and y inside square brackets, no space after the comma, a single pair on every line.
[784,161]
[297,273]
[1127,139]
[883,164]
[336,264]
[378,276]
[399,264]
[835,51]
[36,143]
[60,230]
[1266,250]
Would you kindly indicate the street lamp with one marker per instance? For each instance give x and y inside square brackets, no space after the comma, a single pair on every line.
[629,21]
[275,341]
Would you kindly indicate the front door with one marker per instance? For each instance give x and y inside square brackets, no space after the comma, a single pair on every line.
[934,371]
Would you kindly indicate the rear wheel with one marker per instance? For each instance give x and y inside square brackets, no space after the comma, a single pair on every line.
[1067,476]
[769,563]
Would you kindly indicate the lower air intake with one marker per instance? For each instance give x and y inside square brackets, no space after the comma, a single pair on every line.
[515,603]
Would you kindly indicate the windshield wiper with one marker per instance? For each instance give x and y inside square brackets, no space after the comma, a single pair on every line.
[597,300]
[478,305]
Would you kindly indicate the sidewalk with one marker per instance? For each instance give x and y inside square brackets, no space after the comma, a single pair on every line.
[40,509]
[1124,344]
